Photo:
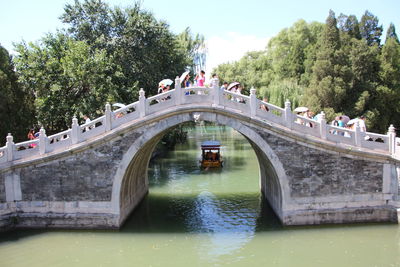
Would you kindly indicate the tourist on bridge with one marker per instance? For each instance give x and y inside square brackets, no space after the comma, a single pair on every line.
[163,84]
[201,78]
[87,120]
[309,115]
[361,123]
[239,91]
[341,122]
[214,80]
[185,79]
[233,86]
[32,136]
[224,86]
[263,106]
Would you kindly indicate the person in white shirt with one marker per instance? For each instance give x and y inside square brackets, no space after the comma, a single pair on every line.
[361,124]
[87,120]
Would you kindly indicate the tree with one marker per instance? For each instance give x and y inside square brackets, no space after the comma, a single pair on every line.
[387,98]
[16,105]
[67,79]
[364,72]
[369,29]
[195,49]
[287,50]
[330,74]
[143,47]
[349,25]
[89,21]
[328,67]
[391,33]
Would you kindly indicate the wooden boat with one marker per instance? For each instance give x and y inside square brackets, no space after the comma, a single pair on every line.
[210,154]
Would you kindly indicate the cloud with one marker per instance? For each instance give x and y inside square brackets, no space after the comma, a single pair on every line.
[231,47]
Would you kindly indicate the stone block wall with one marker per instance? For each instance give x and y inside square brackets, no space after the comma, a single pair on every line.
[2,189]
[316,173]
[84,176]
[79,177]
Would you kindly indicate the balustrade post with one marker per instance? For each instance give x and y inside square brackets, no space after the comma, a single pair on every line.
[357,134]
[322,124]
[75,131]
[253,102]
[142,103]
[217,92]
[288,114]
[178,91]
[108,117]
[42,141]
[10,147]
[392,139]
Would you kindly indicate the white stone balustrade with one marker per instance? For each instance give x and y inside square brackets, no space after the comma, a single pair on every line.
[215,97]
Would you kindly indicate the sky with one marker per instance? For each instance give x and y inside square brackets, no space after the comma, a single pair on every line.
[230,27]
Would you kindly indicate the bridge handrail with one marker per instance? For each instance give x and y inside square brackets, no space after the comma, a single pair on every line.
[248,105]
[122,115]
[270,112]
[60,136]
[197,90]
[127,109]
[58,140]
[236,101]
[397,147]
[269,106]
[161,97]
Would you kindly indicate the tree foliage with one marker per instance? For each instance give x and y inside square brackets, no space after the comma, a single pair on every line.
[391,33]
[16,107]
[144,47]
[67,79]
[339,67]
[103,55]
[369,28]
[195,49]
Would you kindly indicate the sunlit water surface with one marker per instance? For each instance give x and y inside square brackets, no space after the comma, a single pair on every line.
[193,217]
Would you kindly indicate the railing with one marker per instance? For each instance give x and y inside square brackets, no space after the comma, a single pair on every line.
[247,105]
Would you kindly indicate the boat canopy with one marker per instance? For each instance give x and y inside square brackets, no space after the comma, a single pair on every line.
[210,145]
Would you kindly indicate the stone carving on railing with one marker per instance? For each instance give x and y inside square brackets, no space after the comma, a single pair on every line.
[234,102]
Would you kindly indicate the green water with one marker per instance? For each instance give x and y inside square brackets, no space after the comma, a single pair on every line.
[206,218]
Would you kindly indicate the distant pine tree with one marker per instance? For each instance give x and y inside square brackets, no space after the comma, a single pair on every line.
[329,85]
[369,28]
[391,33]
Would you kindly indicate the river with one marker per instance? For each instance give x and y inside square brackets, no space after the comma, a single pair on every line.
[193,217]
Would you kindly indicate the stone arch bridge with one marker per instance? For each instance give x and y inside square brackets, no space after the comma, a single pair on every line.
[94,175]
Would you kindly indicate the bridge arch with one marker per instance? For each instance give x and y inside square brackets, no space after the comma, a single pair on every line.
[131,181]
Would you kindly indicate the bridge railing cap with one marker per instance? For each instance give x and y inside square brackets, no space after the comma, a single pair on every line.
[9,138]
[287,103]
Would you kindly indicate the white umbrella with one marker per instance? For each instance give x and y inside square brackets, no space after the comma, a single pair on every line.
[118,105]
[300,109]
[232,85]
[166,82]
[318,117]
[183,76]
[353,121]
